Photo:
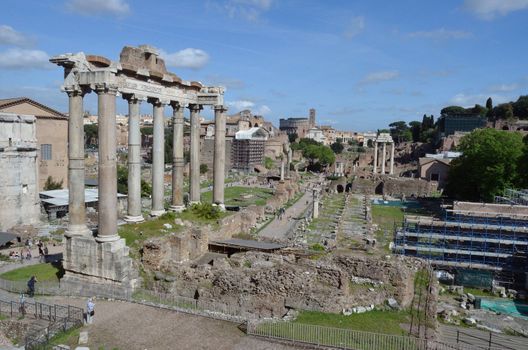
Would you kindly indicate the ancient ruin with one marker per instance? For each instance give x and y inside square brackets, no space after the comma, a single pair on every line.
[139,75]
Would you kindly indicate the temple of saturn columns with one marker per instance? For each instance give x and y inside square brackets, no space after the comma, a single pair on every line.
[383,139]
[139,76]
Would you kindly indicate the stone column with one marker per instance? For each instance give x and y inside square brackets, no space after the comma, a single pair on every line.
[76,209]
[288,164]
[383,160]
[219,156]
[392,159]
[134,161]
[194,181]
[315,208]
[375,157]
[177,158]
[282,170]
[158,159]
[107,206]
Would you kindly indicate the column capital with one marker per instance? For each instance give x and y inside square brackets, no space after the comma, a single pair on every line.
[134,98]
[157,102]
[76,90]
[105,88]
[220,108]
[195,107]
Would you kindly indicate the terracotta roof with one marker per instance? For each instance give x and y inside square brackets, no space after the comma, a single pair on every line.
[8,102]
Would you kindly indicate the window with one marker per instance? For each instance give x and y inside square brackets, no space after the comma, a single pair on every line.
[45,152]
[435,177]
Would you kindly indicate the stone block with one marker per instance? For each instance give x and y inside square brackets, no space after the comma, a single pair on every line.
[83,338]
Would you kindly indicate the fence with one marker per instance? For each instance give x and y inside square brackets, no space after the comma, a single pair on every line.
[61,318]
[344,338]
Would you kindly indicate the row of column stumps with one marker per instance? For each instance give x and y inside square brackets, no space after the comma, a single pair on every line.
[383,159]
[107,173]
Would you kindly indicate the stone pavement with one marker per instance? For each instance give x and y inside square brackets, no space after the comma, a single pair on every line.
[277,229]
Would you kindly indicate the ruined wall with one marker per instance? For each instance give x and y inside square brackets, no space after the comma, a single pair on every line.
[207,154]
[269,284]
[394,186]
[19,201]
[54,132]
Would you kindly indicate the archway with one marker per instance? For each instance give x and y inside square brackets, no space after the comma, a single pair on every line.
[505,127]
[340,188]
[379,188]
[348,187]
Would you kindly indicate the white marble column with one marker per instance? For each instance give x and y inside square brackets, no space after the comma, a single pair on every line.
[194,181]
[107,206]
[375,157]
[392,159]
[288,164]
[76,207]
[383,156]
[158,159]
[219,156]
[177,158]
[282,170]
[134,161]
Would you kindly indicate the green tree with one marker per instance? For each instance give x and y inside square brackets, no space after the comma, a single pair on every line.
[453,110]
[337,147]
[503,111]
[488,165]
[520,107]
[268,163]
[416,129]
[90,135]
[51,184]
[292,137]
[400,132]
[489,105]
[523,166]
[203,168]
[122,183]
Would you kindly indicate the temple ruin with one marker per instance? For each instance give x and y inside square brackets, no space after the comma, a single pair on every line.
[139,75]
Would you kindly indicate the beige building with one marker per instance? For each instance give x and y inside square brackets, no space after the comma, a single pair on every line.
[435,167]
[52,138]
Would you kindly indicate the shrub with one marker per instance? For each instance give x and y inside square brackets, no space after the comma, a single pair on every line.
[206,211]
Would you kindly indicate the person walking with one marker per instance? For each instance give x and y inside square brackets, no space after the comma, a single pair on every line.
[90,311]
[31,286]
[22,307]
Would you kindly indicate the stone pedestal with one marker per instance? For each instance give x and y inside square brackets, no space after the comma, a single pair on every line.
[86,260]
[315,211]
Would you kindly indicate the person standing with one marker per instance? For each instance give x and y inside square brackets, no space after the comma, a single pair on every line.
[90,311]
[31,286]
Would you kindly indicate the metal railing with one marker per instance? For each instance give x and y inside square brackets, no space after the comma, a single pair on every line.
[61,318]
[344,338]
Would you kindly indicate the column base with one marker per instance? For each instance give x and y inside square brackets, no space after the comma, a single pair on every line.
[156,213]
[133,219]
[77,230]
[102,239]
[221,206]
[177,208]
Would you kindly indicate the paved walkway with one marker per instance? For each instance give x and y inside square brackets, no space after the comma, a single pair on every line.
[478,338]
[277,229]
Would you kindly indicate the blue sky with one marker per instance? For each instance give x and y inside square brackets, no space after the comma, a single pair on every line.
[361,64]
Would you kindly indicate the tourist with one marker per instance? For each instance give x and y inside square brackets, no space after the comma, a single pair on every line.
[90,311]
[31,286]
[41,252]
[22,307]
[46,252]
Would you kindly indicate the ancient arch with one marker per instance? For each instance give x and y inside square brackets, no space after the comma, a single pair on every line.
[379,188]
[340,189]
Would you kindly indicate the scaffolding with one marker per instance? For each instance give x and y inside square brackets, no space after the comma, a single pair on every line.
[515,197]
[490,242]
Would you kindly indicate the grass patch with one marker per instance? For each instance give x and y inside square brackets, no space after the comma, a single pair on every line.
[43,272]
[70,338]
[136,234]
[378,321]
[235,196]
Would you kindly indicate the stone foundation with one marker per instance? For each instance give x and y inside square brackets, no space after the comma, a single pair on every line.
[87,261]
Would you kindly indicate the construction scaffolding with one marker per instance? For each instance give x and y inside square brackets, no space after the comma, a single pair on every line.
[471,237]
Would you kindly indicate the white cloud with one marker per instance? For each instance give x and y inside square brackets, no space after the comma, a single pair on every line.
[186,58]
[378,77]
[441,34]
[230,83]
[469,100]
[355,27]
[119,8]
[504,87]
[241,105]
[9,36]
[489,9]
[16,58]
[250,10]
